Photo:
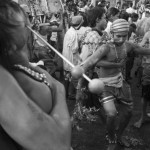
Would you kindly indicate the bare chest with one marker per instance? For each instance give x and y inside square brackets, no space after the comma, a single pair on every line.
[117,54]
[37,91]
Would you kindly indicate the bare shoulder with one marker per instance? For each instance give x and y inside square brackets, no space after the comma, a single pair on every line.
[131,46]
[104,48]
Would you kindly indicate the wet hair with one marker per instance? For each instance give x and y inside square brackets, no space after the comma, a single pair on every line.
[85,23]
[94,14]
[8,8]
[124,15]
[112,11]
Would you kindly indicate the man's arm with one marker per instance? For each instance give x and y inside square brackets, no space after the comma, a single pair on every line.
[145,38]
[95,57]
[25,122]
[107,64]
[138,49]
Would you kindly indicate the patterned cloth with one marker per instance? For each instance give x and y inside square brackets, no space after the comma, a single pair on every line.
[90,44]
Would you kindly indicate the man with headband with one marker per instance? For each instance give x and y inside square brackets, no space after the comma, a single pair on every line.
[33,113]
[111,58]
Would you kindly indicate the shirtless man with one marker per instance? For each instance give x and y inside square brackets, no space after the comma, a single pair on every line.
[39,124]
[145,79]
[111,58]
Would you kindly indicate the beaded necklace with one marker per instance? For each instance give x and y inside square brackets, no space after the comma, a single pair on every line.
[41,77]
[117,57]
[123,70]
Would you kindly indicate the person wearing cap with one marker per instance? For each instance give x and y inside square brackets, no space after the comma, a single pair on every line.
[71,53]
[33,109]
[111,58]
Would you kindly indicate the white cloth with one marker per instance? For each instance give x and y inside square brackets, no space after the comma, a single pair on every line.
[38,63]
[70,48]
[130,10]
[116,81]
[108,28]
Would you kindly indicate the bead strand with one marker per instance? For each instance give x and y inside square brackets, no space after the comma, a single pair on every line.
[35,75]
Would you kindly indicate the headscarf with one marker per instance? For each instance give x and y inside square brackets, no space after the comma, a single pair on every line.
[120,25]
[76,21]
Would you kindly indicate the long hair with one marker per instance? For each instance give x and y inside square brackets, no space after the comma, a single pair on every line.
[8,9]
[94,14]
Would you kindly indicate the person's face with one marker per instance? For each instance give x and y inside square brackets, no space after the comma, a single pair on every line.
[120,37]
[19,32]
[112,18]
[134,19]
[101,23]
[89,2]
[103,3]
[81,4]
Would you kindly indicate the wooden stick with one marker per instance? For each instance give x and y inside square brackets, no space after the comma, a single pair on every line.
[59,54]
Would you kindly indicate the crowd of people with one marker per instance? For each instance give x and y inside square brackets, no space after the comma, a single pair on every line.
[101,39]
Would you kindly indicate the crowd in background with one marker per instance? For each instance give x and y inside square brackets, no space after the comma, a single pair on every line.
[82,30]
[71,28]
[73,25]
